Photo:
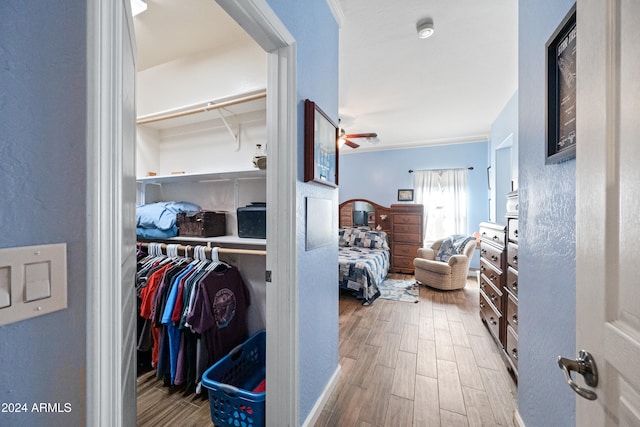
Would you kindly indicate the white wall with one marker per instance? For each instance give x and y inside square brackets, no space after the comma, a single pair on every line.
[215,74]
[207,146]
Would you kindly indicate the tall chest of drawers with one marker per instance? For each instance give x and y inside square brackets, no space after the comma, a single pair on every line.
[511,285]
[406,226]
[493,259]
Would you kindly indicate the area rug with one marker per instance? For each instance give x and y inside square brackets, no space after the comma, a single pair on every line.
[399,290]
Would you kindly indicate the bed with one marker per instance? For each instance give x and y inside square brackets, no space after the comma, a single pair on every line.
[363,255]
[363,262]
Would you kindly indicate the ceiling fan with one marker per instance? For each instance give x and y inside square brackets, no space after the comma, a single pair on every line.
[347,138]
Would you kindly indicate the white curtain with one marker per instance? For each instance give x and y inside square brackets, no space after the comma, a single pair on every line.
[444,196]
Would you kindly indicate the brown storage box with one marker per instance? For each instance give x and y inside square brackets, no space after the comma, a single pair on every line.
[201,224]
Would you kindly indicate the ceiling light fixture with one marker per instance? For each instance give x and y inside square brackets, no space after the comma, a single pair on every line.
[425,28]
[137,7]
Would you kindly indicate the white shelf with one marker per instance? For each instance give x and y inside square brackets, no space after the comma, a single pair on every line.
[221,241]
[203,177]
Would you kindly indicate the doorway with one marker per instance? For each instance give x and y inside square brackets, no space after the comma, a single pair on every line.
[110,352]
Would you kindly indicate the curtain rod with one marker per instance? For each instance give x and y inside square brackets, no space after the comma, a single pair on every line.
[207,249]
[442,169]
[211,105]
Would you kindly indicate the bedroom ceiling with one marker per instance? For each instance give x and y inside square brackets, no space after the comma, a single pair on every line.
[410,91]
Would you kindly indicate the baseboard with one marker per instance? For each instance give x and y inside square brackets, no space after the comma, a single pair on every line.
[322,400]
[517,419]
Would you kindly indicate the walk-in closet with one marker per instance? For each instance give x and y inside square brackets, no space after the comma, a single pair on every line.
[201,148]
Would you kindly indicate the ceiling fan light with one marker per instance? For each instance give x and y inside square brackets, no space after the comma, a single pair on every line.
[425,28]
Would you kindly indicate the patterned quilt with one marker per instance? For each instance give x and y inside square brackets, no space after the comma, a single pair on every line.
[363,260]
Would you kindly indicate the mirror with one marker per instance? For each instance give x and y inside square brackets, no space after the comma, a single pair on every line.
[363,214]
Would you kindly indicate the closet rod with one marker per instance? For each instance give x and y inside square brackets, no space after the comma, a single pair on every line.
[439,169]
[208,249]
[212,105]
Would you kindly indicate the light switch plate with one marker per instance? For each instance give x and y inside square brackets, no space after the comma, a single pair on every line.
[33,281]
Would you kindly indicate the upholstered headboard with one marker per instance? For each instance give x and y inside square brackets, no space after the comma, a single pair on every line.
[377,217]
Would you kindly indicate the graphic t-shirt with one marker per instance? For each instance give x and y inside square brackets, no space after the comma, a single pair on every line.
[219,312]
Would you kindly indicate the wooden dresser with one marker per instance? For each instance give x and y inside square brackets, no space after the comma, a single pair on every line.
[493,271]
[406,226]
[511,284]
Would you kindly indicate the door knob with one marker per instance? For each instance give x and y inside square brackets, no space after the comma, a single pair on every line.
[584,365]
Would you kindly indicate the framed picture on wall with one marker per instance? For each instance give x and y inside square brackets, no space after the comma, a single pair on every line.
[320,146]
[561,91]
[405,195]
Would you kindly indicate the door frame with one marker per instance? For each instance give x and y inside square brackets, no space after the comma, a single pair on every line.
[105,343]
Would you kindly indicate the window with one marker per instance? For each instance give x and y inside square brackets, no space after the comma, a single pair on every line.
[444,196]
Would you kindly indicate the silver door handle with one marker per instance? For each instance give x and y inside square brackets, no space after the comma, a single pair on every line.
[585,365]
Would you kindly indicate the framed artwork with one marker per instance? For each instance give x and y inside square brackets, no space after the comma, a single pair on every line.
[320,146]
[405,195]
[561,91]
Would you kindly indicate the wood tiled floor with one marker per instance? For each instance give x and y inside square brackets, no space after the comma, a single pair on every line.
[160,406]
[427,364]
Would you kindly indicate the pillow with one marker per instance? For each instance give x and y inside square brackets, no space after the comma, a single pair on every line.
[364,238]
[452,245]
[161,215]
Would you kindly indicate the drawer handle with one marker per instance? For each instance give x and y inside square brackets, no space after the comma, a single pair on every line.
[496,237]
[493,321]
[482,305]
[482,268]
[515,232]
[515,259]
[484,233]
[494,297]
[494,258]
[515,319]
[514,353]
[483,251]
[514,286]
[483,285]
[493,277]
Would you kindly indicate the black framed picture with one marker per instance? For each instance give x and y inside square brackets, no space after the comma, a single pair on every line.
[405,195]
[561,91]
[320,146]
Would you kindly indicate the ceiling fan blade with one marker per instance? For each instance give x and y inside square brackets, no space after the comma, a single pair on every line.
[351,143]
[361,135]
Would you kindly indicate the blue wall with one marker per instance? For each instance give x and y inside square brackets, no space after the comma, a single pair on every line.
[547,253]
[377,175]
[504,161]
[42,197]
[316,32]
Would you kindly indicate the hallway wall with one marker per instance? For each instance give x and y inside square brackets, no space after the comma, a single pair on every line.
[43,199]
[547,252]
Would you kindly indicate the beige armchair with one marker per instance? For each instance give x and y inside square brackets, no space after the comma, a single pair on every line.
[443,275]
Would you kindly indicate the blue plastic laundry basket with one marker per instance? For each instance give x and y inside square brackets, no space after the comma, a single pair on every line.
[230,382]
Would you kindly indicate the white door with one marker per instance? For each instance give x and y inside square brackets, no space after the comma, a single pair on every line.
[111,299]
[607,208]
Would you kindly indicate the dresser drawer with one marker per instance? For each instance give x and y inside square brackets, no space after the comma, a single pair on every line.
[407,238]
[513,230]
[492,254]
[491,293]
[489,315]
[404,264]
[512,312]
[406,219]
[512,255]
[512,280]
[512,347]
[493,233]
[405,250]
[407,229]
[493,274]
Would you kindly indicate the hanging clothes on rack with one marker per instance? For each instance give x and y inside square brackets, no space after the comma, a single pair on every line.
[194,311]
